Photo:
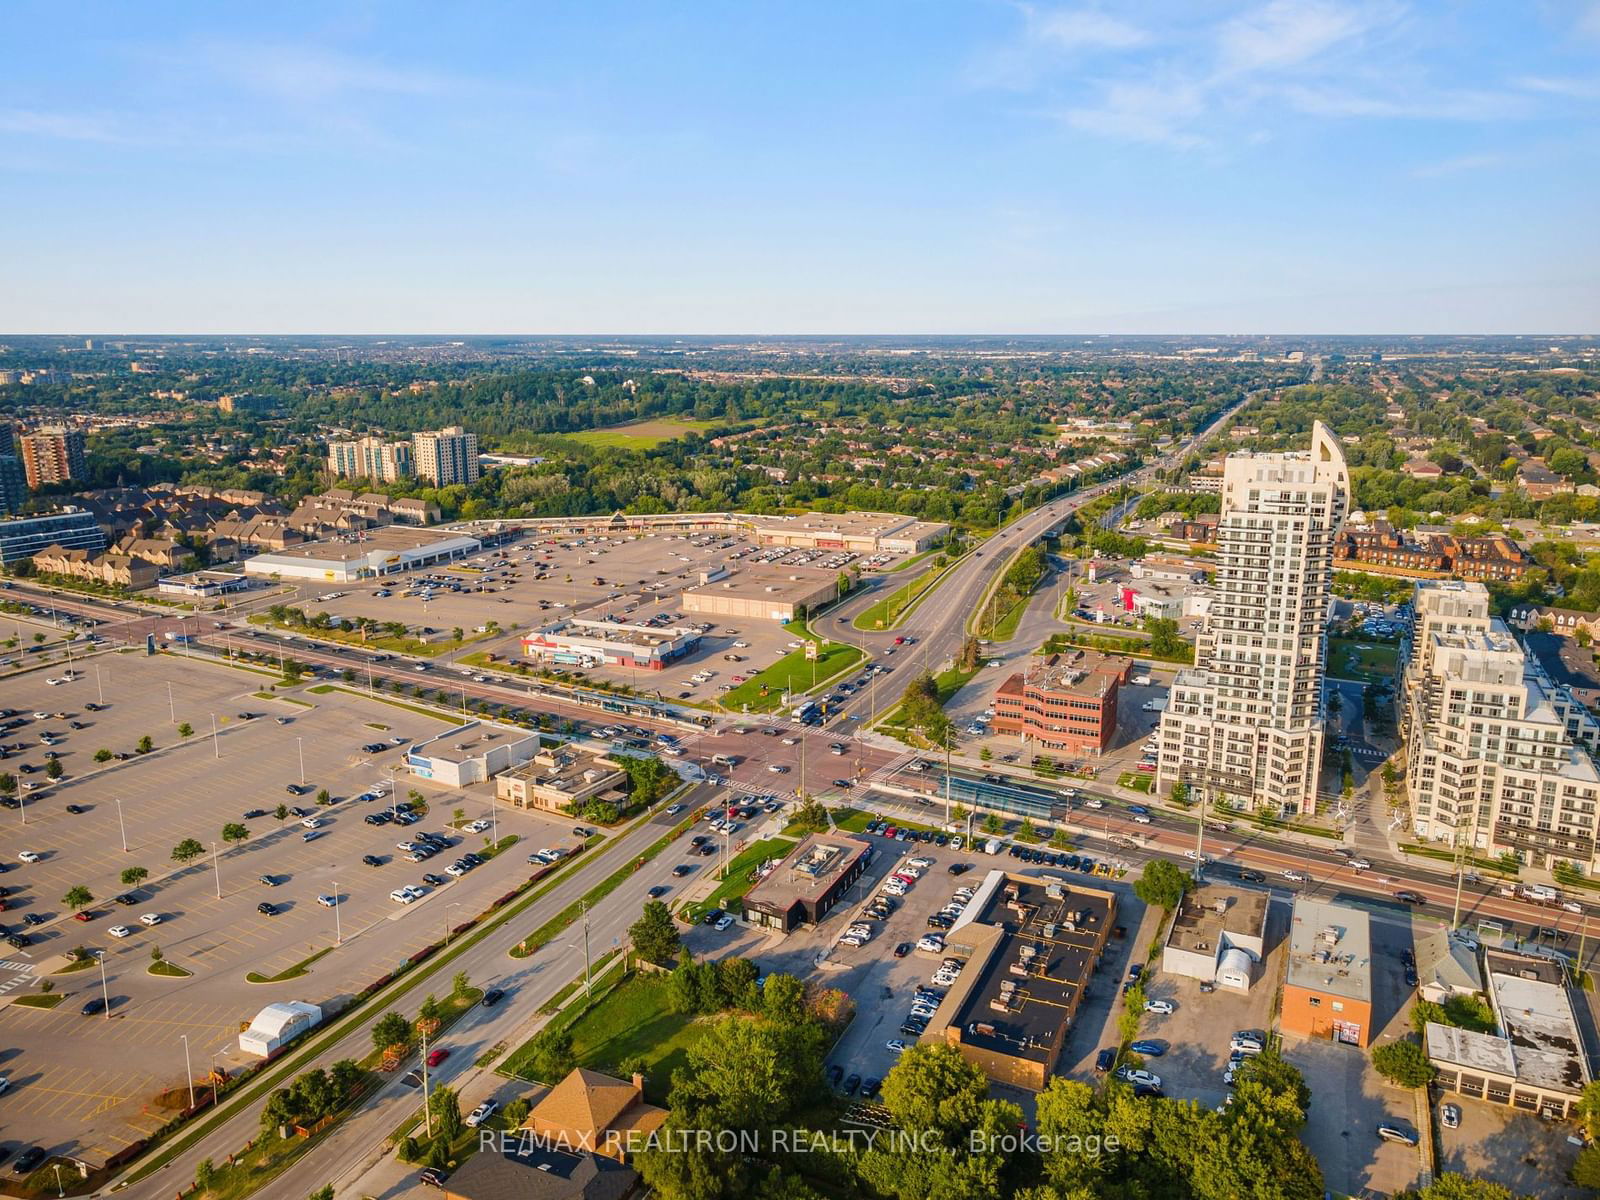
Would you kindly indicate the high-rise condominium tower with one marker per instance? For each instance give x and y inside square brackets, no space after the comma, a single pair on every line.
[1245,726]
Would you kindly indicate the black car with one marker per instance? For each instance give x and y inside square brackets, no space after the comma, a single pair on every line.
[492,997]
[35,919]
[372,860]
[1252,876]
[18,941]
[903,949]
[658,891]
[1406,896]
[75,809]
[27,1161]
[412,1079]
[433,880]
[267,910]
[432,1177]
[254,813]
[712,917]
[835,1075]
[678,872]
[580,831]
[1105,1060]
[295,789]
[90,1008]
[127,899]
[852,1084]
[1148,1091]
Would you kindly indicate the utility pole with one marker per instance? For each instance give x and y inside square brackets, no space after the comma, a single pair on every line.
[427,1100]
[1460,856]
[586,964]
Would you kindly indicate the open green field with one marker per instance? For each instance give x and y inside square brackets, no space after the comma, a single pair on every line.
[632,1021]
[794,672]
[642,435]
[885,612]
[1370,662]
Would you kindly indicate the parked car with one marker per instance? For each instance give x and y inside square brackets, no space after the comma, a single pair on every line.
[482,1113]
[1391,1132]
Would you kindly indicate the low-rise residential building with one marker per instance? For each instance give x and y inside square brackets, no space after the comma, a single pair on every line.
[560,778]
[1538,482]
[113,569]
[1064,702]
[1447,965]
[1379,546]
[1327,989]
[1498,754]
[1542,618]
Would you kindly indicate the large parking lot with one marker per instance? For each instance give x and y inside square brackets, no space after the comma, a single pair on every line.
[89,1077]
[627,578]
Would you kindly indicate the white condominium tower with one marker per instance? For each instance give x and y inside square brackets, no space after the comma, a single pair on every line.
[448,455]
[1498,755]
[370,458]
[1245,726]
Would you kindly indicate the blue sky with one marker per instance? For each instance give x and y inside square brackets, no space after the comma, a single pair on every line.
[1208,166]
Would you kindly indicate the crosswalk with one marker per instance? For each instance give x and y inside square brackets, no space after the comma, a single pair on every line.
[13,965]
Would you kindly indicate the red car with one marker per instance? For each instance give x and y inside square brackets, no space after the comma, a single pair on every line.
[435,1057]
[84,915]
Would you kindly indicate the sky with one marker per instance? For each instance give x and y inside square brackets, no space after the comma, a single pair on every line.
[866,166]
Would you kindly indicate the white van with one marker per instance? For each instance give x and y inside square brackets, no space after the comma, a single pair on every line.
[725,760]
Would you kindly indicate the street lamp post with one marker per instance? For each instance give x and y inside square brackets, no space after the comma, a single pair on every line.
[447,908]
[216,870]
[338,931]
[121,825]
[172,710]
[99,687]
[105,990]
[300,746]
[216,750]
[188,1071]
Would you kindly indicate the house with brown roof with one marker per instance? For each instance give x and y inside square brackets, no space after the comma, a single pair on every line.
[592,1112]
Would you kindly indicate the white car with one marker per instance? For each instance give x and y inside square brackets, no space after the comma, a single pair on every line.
[327,901]
[150,919]
[791,741]
[55,682]
[405,847]
[404,895]
[895,888]
[1094,802]
[1164,1007]
[30,856]
[1141,819]
[923,863]
[41,716]
[1360,864]
[477,826]
[674,809]
[933,943]
[119,931]
[896,1046]
[1138,1078]
[482,1113]
[311,822]
[1293,876]
[777,768]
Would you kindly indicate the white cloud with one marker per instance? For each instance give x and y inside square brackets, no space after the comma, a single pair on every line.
[1142,112]
[1286,33]
[1574,89]
[62,126]
[1082,29]
[1408,105]
[1455,166]
[307,74]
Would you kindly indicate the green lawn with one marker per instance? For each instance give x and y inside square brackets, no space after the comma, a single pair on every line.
[884,613]
[632,1021]
[394,645]
[949,682]
[763,691]
[1369,662]
[643,435]
[740,869]
[1139,781]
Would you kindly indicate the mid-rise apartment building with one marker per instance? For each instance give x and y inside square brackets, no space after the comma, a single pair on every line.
[53,455]
[370,458]
[1245,726]
[447,455]
[1499,756]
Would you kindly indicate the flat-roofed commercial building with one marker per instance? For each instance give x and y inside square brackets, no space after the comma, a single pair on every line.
[1064,702]
[574,641]
[1219,934]
[859,532]
[70,529]
[204,585]
[1537,1062]
[808,883]
[474,752]
[762,593]
[1327,992]
[375,552]
[553,780]
[1031,949]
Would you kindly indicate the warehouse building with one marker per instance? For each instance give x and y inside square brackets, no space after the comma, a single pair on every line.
[762,593]
[474,752]
[859,532]
[382,551]
[1031,949]
[1327,992]
[1220,935]
[812,878]
[573,641]
[277,1025]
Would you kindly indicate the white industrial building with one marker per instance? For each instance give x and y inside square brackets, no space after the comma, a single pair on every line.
[1219,934]
[277,1025]
[471,753]
[382,551]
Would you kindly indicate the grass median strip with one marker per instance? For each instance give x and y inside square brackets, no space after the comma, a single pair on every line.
[884,613]
[303,967]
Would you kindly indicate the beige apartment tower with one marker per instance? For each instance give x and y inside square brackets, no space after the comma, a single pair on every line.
[53,455]
[370,458]
[447,455]
[1245,726]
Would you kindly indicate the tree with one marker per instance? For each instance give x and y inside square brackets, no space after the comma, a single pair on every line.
[992,824]
[325,1192]
[783,998]
[391,1029]
[233,831]
[1163,884]
[1587,1110]
[1451,1186]
[102,755]
[133,876]
[78,897]
[549,1055]
[1165,640]
[187,851]
[1586,1170]
[8,783]
[655,936]
[53,769]
[145,745]
[1403,1062]
[281,812]
[446,1109]
[185,729]
[1179,793]
[811,816]
[460,985]
[205,1174]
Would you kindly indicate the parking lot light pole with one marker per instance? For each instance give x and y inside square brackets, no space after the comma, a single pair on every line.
[188,1071]
[447,908]
[216,870]
[172,710]
[105,991]
[216,750]
[338,930]
[299,744]
[121,824]
[100,687]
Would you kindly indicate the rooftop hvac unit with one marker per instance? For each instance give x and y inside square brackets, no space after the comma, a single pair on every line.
[1221,906]
[1050,929]
[983,1029]
[1054,891]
